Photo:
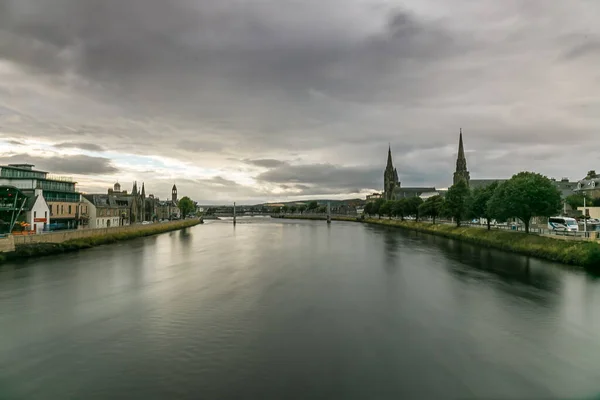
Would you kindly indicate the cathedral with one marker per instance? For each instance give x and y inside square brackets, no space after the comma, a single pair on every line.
[463,173]
[392,188]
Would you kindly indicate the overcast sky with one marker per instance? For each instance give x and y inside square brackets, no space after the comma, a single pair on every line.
[282,99]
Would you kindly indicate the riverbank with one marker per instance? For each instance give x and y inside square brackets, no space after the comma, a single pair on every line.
[50,246]
[579,253]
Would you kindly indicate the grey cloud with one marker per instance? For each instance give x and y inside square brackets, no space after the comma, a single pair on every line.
[332,81]
[80,145]
[322,176]
[588,47]
[77,165]
[266,163]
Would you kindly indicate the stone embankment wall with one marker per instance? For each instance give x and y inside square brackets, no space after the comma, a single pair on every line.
[7,244]
[60,237]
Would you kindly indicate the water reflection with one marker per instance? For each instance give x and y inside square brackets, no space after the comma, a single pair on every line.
[277,309]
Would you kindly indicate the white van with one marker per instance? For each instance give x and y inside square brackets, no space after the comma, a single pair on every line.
[563,224]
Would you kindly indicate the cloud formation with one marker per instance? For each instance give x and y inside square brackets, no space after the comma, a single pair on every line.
[72,165]
[287,98]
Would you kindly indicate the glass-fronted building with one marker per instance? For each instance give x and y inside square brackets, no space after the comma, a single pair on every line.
[66,208]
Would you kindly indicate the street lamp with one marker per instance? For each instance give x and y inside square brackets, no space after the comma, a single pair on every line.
[588,186]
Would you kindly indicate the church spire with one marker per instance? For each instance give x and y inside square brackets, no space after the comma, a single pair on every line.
[461,163]
[390,177]
[390,164]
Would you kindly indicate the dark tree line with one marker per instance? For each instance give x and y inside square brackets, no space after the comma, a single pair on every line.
[524,196]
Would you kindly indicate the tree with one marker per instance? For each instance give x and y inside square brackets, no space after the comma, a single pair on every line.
[574,201]
[377,207]
[432,207]
[399,208]
[368,209]
[524,196]
[186,206]
[285,209]
[301,209]
[478,207]
[386,209]
[412,206]
[457,201]
[322,209]
[312,206]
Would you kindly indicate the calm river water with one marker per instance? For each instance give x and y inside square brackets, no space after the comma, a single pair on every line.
[296,310]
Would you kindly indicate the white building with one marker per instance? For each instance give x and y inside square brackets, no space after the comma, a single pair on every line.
[36,211]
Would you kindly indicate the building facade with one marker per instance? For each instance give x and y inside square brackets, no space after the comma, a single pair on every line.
[168,210]
[37,211]
[103,211]
[62,198]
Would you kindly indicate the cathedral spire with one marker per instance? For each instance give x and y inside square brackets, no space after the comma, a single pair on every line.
[390,164]
[390,177]
[461,163]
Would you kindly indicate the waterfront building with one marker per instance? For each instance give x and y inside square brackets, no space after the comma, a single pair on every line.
[36,211]
[62,198]
[103,210]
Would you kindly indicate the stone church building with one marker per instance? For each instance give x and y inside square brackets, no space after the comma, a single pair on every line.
[392,187]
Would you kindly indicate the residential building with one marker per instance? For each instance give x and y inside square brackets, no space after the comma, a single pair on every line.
[590,185]
[60,193]
[104,212]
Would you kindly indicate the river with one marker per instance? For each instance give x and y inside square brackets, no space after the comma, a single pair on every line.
[274,309]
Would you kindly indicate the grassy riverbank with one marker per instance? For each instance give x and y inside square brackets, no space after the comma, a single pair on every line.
[46,249]
[581,253]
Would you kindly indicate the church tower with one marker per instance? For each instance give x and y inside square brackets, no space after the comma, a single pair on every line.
[143,199]
[174,194]
[390,178]
[461,163]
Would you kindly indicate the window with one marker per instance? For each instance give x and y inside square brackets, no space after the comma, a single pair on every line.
[62,209]
[46,214]
[35,214]
[70,209]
